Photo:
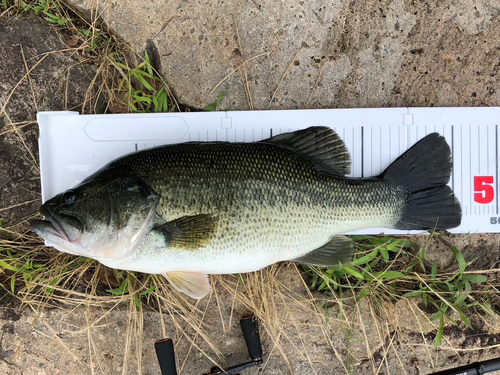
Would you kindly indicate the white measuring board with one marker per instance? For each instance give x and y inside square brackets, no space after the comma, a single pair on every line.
[73,146]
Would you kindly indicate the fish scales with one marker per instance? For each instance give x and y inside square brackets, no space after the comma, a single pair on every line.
[267,200]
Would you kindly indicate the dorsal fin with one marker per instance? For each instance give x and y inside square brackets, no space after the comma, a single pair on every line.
[319,144]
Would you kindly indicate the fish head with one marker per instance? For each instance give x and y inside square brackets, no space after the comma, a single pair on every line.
[104,217]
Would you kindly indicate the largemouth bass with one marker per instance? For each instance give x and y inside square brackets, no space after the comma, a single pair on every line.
[193,209]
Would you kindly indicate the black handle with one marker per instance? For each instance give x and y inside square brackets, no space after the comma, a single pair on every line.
[489,366]
[166,356]
[477,368]
[252,339]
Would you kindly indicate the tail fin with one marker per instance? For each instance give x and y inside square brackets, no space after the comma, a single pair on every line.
[423,171]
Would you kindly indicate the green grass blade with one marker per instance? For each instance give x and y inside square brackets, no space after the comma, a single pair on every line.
[439,335]
[121,290]
[9,267]
[385,275]
[142,80]
[150,290]
[148,63]
[413,294]
[137,302]
[475,278]
[385,253]
[365,259]
[351,271]
[13,284]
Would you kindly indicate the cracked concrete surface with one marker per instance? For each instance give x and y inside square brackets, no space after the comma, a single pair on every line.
[295,54]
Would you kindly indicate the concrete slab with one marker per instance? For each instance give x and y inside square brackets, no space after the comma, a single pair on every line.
[295,54]
[38,74]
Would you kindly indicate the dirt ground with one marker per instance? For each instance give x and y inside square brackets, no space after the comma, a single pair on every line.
[387,53]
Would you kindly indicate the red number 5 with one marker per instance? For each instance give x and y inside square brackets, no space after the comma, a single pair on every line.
[483,189]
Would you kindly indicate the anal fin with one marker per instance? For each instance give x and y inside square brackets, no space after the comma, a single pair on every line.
[338,249]
[194,284]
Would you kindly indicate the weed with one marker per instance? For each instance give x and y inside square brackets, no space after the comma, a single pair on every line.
[141,89]
[50,10]
[385,268]
[215,106]
[129,285]
[13,263]
[127,88]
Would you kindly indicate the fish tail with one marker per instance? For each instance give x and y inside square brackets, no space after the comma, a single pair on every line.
[423,172]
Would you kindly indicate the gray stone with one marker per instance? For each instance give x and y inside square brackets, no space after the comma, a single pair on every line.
[56,81]
[316,54]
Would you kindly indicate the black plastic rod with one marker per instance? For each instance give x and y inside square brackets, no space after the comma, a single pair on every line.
[252,338]
[477,368]
[166,356]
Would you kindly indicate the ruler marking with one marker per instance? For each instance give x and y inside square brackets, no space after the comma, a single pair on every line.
[452,160]
[390,145]
[479,149]
[461,168]
[487,150]
[399,140]
[371,151]
[362,153]
[353,153]
[470,166]
[496,163]
[380,146]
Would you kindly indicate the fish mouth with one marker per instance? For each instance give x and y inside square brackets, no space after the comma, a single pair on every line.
[45,228]
[53,227]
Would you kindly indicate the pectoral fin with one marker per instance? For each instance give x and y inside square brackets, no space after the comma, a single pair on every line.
[188,232]
[338,249]
[194,284]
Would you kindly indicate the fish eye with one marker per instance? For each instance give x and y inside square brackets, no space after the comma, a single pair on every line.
[69,197]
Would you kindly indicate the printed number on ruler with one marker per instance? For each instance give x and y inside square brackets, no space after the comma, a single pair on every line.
[484,193]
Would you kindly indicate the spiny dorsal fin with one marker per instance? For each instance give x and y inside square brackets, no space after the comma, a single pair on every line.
[321,145]
[338,249]
[188,232]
